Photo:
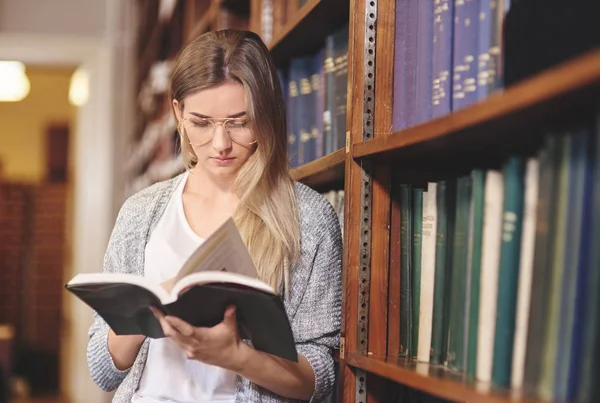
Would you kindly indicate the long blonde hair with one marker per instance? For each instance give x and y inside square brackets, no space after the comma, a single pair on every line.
[267,216]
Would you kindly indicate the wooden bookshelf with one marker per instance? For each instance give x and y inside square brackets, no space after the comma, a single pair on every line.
[540,102]
[432,379]
[323,172]
[305,32]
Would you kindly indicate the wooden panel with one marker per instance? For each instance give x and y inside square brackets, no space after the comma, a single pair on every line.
[306,29]
[434,380]
[352,186]
[323,172]
[378,388]
[540,102]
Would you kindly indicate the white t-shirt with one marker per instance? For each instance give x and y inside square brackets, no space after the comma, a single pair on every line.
[169,376]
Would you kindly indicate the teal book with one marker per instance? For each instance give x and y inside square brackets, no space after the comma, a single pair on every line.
[508,276]
[417,227]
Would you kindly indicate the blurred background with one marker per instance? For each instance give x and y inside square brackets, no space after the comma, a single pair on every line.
[84,123]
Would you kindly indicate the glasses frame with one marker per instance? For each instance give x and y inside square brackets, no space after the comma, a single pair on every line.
[217,121]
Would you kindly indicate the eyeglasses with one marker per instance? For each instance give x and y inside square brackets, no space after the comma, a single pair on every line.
[200,131]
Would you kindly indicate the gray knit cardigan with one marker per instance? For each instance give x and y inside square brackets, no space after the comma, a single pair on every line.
[313,303]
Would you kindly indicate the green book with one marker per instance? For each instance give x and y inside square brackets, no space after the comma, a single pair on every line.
[508,275]
[417,227]
[556,269]
[405,269]
[458,302]
[476,232]
[443,255]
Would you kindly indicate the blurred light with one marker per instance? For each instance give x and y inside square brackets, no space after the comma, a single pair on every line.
[14,84]
[79,88]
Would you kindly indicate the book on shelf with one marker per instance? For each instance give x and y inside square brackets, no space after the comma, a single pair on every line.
[513,273]
[218,274]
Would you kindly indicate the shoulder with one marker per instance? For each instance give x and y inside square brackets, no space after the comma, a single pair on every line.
[140,206]
[317,215]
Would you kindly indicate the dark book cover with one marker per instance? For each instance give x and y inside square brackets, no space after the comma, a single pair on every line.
[125,308]
[405,269]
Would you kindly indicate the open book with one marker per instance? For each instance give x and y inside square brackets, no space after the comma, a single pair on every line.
[218,274]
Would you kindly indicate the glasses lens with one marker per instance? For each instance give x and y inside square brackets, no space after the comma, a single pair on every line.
[201,131]
[239,131]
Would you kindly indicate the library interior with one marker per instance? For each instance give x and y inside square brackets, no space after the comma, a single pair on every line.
[458,142]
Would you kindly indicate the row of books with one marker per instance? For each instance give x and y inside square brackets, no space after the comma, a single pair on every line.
[315,88]
[447,55]
[500,270]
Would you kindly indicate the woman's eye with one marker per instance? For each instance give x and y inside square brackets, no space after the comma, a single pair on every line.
[200,124]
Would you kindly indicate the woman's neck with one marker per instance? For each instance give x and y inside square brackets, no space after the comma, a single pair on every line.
[218,188]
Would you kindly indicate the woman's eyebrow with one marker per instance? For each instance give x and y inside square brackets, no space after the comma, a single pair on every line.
[201,116]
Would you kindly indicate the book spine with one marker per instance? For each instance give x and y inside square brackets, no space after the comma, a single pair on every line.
[551,325]
[464,72]
[399,108]
[439,334]
[456,348]
[478,184]
[406,268]
[512,221]
[490,259]
[584,274]
[589,387]
[443,26]
[319,91]
[498,11]
[525,272]
[484,40]
[548,160]
[424,61]
[329,123]
[429,223]
[571,263]
[417,230]
[292,106]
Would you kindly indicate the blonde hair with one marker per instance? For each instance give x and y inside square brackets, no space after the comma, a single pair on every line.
[267,216]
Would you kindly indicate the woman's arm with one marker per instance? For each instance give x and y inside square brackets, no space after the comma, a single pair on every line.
[283,377]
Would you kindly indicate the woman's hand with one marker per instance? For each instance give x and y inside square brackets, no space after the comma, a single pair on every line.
[219,345]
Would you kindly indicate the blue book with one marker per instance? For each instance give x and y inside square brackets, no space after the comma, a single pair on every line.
[466,50]
[399,109]
[483,51]
[424,62]
[443,27]
[319,94]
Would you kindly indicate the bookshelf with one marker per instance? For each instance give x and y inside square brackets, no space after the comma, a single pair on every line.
[510,121]
[373,161]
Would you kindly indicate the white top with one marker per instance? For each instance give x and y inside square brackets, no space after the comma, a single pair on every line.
[169,376]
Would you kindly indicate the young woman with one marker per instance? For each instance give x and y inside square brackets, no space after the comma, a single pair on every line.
[228,104]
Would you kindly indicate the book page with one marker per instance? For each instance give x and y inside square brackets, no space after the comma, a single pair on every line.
[224,250]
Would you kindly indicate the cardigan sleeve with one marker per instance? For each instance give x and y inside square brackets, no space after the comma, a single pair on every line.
[319,312]
[100,363]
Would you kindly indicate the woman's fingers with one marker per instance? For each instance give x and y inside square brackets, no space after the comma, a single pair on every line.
[181,326]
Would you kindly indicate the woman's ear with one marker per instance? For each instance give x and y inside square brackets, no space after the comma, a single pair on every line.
[177,109]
